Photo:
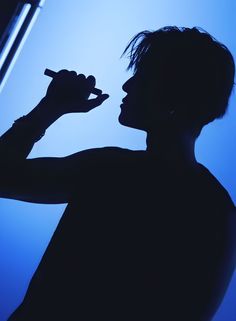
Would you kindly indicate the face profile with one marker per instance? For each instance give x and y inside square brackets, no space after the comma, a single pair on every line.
[183,72]
[134,104]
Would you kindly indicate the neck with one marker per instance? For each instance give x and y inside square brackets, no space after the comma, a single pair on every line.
[175,148]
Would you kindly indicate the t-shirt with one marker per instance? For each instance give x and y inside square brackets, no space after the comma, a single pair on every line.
[140,239]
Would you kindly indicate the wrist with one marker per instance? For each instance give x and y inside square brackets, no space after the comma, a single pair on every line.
[44,114]
[26,129]
[35,123]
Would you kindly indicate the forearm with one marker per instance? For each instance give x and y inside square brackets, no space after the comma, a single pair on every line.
[17,142]
[45,180]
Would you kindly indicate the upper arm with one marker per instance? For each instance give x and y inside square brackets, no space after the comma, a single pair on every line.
[48,180]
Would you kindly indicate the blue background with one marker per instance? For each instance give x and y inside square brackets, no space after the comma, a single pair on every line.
[89,37]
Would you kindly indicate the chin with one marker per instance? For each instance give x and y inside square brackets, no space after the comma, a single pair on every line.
[131,123]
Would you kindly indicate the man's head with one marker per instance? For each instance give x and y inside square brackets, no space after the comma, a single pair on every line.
[179,73]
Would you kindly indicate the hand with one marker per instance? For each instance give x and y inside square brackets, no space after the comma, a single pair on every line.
[69,92]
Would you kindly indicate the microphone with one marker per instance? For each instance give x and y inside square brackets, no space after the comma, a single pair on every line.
[52,74]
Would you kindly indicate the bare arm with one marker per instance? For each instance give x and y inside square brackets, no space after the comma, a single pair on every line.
[44,180]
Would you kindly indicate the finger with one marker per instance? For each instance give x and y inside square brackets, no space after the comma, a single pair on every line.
[62,72]
[97,92]
[59,79]
[81,77]
[73,73]
[91,81]
[65,75]
[92,103]
[80,83]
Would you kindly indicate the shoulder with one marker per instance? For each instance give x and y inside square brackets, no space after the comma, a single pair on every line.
[216,189]
[102,153]
[102,157]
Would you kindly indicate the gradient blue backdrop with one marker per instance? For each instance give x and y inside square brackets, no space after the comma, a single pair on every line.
[89,37]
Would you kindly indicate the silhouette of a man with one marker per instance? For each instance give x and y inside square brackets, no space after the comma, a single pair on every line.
[147,235]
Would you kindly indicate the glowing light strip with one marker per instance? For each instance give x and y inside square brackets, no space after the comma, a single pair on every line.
[21,45]
[14,33]
[41,3]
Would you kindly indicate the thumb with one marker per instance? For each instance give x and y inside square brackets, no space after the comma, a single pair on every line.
[91,103]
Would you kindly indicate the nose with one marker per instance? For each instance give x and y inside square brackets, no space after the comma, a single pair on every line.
[127,85]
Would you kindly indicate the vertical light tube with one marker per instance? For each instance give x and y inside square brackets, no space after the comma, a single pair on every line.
[17,39]
[14,32]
